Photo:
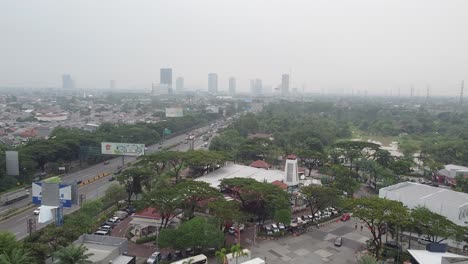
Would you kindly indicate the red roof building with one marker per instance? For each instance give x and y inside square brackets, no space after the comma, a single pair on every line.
[280,184]
[148,213]
[291,157]
[260,164]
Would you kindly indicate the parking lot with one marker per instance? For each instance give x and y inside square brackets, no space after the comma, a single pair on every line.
[316,246]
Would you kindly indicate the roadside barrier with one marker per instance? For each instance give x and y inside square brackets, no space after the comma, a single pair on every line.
[95,178]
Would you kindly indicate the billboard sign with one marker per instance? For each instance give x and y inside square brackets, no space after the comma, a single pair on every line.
[174,112]
[12,163]
[64,194]
[123,149]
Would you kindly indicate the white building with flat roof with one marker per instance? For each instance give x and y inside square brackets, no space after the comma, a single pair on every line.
[427,257]
[451,204]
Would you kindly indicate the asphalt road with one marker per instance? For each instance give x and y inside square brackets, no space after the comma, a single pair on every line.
[18,223]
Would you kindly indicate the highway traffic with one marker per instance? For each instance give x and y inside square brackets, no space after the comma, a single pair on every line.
[18,223]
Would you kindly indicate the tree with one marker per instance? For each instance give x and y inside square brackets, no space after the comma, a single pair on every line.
[346,184]
[7,242]
[376,213]
[156,161]
[462,183]
[311,159]
[196,232]
[113,194]
[283,216]
[133,179]
[226,212]
[237,251]
[436,226]
[177,161]
[260,198]
[73,254]
[192,192]
[166,200]
[318,197]
[201,161]
[355,150]
[221,256]
[16,256]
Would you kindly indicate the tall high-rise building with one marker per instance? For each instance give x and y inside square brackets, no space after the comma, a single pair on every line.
[212,82]
[112,84]
[165,76]
[179,83]
[67,82]
[232,86]
[285,84]
[165,79]
[256,86]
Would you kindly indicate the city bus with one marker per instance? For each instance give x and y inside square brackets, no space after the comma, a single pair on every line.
[198,259]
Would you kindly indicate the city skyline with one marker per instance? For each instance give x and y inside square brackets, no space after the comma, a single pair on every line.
[367,45]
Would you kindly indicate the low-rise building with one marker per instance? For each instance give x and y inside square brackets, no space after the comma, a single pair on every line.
[106,249]
[451,204]
[449,172]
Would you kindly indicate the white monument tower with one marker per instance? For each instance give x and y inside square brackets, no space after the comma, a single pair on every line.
[291,171]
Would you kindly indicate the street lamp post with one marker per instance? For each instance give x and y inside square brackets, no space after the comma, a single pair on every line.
[157,245]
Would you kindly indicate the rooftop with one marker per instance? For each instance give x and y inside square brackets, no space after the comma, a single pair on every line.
[427,257]
[260,164]
[240,171]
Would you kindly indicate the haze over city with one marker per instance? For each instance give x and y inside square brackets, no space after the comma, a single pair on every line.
[326,46]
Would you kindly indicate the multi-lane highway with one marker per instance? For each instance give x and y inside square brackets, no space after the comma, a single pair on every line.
[18,223]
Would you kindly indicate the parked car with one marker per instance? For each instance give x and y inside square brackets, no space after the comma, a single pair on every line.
[268,230]
[305,218]
[424,240]
[106,162]
[275,228]
[111,178]
[281,226]
[114,220]
[102,232]
[153,257]
[106,227]
[345,217]
[232,230]
[121,215]
[109,224]
[338,241]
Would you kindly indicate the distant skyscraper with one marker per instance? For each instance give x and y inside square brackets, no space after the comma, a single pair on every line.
[112,84]
[165,78]
[285,84]
[179,83]
[67,82]
[213,83]
[256,86]
[232,86]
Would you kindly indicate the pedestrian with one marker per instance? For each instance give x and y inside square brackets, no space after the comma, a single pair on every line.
[355,226]
[361,228]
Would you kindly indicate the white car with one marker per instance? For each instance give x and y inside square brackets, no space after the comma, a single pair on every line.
[37,210]
[153,257]
[114,220]
[275,228]
[281,226]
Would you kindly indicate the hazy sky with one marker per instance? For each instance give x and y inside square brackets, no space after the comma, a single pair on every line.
[328,45]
